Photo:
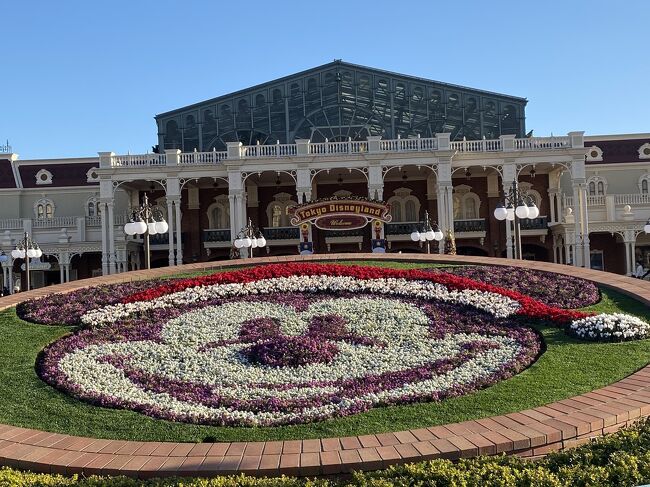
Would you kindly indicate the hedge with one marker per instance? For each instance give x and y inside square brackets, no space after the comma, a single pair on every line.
[620,459]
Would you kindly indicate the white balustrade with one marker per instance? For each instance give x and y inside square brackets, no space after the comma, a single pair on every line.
[632,199]
[55,222]
[11,223]
[596,200]
[482,145]
[418,144]
[139,160]
[94,221]
[542,143]
[202,158]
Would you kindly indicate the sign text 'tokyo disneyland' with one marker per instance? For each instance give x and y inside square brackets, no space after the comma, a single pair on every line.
[340,214]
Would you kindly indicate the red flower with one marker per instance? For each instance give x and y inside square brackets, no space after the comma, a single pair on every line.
[528,306]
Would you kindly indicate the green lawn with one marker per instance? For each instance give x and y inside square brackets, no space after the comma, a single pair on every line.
[567,368]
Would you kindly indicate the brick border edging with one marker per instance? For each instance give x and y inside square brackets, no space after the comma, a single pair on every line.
[529,433]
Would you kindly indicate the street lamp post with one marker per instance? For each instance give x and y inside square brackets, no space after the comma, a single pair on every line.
[26,249]
[250,237]
[425,231]
[517,205]
[146,220]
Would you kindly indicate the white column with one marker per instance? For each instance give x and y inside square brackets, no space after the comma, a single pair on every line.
[67,272]
[61,272]
[179,243]
[552,199]
[104,222]
[170,231]
[10,270]
[111,239]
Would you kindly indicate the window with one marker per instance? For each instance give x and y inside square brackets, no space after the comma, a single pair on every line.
[466,203]
[92,207]
[92,176]
[643,183]
[43,177]
[44,209]
[278,212]
[219,213]
[644,151]
[597,186]
[594,154]
[592,189]
[404,207]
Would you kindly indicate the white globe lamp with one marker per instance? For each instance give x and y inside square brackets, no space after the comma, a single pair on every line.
[247,242]
[129,228]
[438,235]
[415,236]
[522,211]
[500,212]
[151,226]
[162,227]
[140,227]
[31,253]
[430,235]
[261,242]
[510,213]
[533,211]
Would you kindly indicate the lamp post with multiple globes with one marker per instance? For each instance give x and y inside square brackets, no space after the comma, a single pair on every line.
[146,220]
[26,249]
[517,205]
[250,237]
[426,232]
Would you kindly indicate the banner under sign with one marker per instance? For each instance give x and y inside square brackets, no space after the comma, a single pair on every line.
[340,214]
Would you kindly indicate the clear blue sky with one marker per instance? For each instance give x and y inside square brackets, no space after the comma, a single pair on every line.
[78,77]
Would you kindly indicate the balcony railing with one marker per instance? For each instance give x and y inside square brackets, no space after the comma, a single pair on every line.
[357,232]
[539,223]
[55,222]
[281,233]
[216,235]
[632,199]
[139,160]
[418,144]
[11,224]
[401,228]
[473,225]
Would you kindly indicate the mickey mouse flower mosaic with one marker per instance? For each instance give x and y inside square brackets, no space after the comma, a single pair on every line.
[295,343]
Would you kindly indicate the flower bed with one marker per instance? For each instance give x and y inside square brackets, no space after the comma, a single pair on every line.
[549,288]
[616,327]
[294,344]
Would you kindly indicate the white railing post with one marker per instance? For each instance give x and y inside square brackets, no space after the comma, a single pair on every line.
[577,139]
[173,157]
[443,141]
[302,147]
[507,142]
[105,159]
[234,150]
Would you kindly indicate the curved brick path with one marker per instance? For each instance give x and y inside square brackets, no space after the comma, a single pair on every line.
[528,433]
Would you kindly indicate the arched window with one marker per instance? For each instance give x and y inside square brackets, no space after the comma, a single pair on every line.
[597,186]
[259,101]
[466,203]
[643,183]
[219,213]
[43,177]
[409,210]
[404,207]
[44,209]
[92,207]
[276,215]
[396,211]
[277,212]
